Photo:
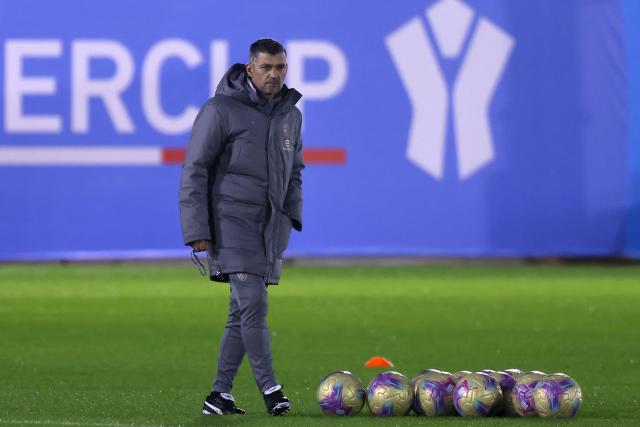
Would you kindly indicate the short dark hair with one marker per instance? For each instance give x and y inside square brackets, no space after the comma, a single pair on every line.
[269,46]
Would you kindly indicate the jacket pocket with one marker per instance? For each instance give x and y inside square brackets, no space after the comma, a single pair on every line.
[239,225]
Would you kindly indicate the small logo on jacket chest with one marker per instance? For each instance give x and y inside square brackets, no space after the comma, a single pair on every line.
[286,145]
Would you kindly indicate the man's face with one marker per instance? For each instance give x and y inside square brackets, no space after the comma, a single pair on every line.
[267,73]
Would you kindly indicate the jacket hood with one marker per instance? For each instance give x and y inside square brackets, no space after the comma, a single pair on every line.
[235,84]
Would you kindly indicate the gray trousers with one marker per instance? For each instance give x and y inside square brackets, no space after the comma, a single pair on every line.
[246,332]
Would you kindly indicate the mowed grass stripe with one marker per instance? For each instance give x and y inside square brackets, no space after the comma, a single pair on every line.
[123,344]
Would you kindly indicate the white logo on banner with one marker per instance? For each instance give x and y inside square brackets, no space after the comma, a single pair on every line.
[481,70]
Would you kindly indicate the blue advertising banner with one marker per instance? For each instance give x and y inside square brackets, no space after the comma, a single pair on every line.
[431,127]
[631,13]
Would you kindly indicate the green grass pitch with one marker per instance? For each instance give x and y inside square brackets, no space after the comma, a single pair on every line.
[136,345]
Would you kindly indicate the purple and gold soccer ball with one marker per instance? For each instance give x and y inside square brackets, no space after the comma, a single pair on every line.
[477,395]
[558,396]
[390,393]
[434,393]
[523,402]
[429,374]
[425,373]
[506,383]
[341,393]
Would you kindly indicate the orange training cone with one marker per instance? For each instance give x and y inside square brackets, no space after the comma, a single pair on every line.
[378,362]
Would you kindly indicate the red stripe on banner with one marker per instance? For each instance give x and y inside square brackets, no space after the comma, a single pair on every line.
[173,156]
[325,156]
[312,156]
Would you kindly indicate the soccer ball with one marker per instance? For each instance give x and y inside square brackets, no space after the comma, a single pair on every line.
[340,393]
[523,402]
[425,373]
[429,374]
[570,398]
[557,395]
[390,393]
[434,394]
[477,395]
[506,383]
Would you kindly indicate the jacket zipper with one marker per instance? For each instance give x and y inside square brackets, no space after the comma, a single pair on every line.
[269,250]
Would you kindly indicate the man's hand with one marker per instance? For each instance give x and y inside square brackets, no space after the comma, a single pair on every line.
[200,245]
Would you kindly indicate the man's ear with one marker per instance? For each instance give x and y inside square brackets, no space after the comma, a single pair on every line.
[249,69]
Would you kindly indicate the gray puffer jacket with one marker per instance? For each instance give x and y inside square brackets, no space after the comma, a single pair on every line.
[241,186]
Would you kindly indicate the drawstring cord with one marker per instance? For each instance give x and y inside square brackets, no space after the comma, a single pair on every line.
[199,265]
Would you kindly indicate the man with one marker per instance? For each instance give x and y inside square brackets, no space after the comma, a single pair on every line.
[240,195]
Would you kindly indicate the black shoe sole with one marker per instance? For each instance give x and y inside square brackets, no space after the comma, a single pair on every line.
[209,409]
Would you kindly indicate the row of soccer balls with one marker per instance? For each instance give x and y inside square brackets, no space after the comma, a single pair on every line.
[436,393]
